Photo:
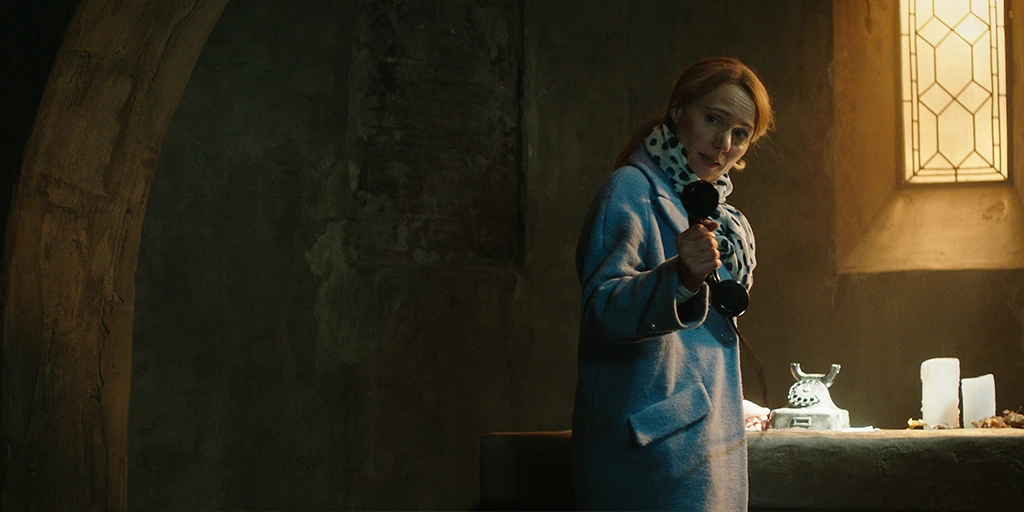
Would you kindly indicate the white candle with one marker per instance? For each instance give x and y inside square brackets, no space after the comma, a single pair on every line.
[940,387]
[979,398]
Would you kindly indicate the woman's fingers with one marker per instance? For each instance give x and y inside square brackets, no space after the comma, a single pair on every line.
[707,259]
[705,229]
[698,253]
[697,245]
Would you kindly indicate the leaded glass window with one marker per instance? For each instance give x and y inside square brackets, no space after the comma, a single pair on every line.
[954,90]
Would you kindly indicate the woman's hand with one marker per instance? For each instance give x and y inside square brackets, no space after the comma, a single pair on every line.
[698,253]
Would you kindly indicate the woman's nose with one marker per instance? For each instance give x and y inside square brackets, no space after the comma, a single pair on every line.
[722,142]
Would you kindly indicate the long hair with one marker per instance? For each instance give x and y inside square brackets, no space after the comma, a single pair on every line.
[693,83]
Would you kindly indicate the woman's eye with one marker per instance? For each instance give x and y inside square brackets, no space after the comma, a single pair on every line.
[740,135]
[711,119]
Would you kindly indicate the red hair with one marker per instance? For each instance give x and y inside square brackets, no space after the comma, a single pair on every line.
[699,79]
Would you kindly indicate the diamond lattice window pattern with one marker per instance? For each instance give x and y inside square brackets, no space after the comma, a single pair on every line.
[954,90]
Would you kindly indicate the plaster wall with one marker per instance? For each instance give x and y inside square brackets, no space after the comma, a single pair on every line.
[883,224]
[889,319]
[866,76]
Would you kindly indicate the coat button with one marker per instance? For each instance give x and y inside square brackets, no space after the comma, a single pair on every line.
[653,327]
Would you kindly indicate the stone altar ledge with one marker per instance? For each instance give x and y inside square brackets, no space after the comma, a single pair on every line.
[948,469]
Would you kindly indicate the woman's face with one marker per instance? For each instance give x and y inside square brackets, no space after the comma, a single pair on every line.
[716,130]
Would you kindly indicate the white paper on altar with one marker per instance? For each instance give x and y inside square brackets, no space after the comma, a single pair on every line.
[979,398]
[940,390]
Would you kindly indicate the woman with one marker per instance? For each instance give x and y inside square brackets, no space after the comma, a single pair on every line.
[658,422]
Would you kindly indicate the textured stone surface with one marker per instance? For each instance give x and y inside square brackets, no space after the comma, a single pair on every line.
[435,133]
[72,245]
[326,292]
[976,469]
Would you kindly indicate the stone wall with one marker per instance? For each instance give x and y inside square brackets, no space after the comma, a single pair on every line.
[358,252]
[326,292]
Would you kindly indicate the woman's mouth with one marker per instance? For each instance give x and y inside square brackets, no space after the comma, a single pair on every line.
[710,162]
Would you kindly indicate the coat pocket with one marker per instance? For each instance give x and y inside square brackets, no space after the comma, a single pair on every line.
[685,407]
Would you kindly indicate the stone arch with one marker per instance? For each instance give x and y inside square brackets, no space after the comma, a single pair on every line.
[72,247]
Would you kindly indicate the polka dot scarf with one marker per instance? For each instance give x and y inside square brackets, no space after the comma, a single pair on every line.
[735,238]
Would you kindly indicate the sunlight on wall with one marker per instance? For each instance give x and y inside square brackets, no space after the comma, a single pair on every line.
[954,90]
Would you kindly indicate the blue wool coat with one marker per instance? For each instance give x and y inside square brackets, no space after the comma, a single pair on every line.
[658,421]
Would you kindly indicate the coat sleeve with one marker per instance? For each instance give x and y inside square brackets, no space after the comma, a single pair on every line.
[627,298]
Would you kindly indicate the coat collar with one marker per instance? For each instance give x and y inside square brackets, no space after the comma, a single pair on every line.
[643,161]
[667,201]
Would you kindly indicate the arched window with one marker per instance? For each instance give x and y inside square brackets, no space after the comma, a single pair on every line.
[953,55]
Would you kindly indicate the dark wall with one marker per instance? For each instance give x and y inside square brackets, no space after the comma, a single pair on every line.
[30,33]
[358,251]
[226,407]
[326,286]
[352,267]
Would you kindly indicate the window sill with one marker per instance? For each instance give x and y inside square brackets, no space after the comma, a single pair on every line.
[943,228]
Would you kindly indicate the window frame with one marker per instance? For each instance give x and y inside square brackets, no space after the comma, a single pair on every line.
[901,168]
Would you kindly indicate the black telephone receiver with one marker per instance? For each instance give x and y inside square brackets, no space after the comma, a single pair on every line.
[730,298]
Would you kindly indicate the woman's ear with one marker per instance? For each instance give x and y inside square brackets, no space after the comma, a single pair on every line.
[674,114]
